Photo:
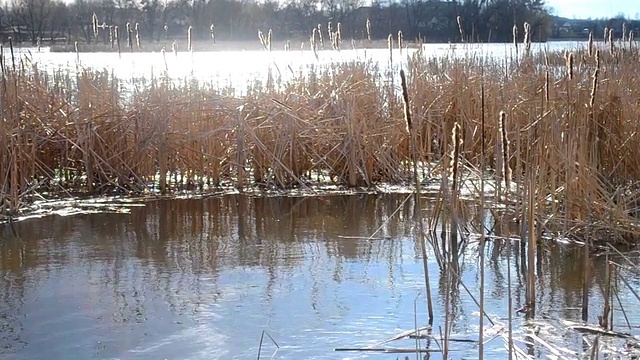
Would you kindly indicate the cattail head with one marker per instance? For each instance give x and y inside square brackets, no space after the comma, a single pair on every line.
[190,39]
[597,59]
[390,43]
[368,26]
[570,65]
[594,88]
[611,45]
[400,41]
[460,28]
[174,48]
[527,36]
[624,32]
[94,23]
[320,37]
[269,35]
[138,35]
[515,37]
[405,101]
[606,34]
[339,34]
[590,48]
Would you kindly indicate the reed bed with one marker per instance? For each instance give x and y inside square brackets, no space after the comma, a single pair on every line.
[572,133]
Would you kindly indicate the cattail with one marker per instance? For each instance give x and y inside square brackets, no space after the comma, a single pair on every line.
[166,31]
[312,39]
[269,35]
[611,45]
[212,29]
[590,48]
[38,43]
[138,35]
[330,32]
[527,37]
[630,38]
[116,32]
[405,101]
[287,46]
[94,23]
[606,34]
[597,59]
[570,65]
[190,39]
[546,86]
[339,35]
[594,88]
[164,58]
[261,38]
[320,37]
[624,32]
[368,29]
[400,41]
[515,37]
[390,43]
[174,48]
[129,41]
[112,39]
[506,169]
[460,28]
[77,52]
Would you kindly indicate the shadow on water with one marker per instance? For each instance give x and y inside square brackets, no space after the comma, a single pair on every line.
[204,278]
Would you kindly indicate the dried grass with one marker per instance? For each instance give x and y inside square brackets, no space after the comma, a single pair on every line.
[341,125]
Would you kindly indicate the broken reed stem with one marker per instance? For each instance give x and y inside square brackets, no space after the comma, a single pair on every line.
[482,227]
[506,169]
[506,173]
[586,276]
[456,142]
[531,247]
[417,191]
[603,320]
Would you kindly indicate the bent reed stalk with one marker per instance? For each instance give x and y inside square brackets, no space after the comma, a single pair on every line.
[340,125]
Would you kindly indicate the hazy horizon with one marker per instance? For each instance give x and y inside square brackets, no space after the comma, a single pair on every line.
[596,9]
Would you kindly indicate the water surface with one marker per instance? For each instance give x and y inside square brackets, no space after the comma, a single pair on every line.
[201,279]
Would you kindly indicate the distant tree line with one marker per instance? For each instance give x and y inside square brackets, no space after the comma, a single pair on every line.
[429,20]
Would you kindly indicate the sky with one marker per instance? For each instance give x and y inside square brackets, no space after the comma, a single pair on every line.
[583,9]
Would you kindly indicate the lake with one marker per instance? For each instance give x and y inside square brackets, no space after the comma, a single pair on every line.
[202,279]
[239,69]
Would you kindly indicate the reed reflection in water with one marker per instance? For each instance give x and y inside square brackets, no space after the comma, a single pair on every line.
[203,278]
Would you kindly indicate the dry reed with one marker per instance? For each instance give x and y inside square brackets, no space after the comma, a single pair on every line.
[337,126]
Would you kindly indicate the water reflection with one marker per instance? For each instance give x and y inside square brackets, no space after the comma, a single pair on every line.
[203,278]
